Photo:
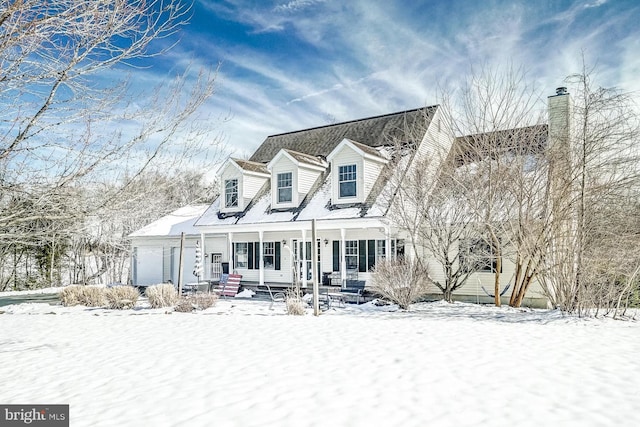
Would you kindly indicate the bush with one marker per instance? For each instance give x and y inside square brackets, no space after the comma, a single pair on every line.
[294,304]
[204,300]
[122,297]
[164,295]
[197,301]
[400,281]
[90,296]
[184,305]
[70,295]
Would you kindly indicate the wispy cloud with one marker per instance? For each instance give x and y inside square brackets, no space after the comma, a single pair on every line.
[344,60]
[296,5]
[595,3]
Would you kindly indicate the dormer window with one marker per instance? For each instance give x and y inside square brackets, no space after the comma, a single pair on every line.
[231,193]
[293,174]
[285,184]
[347,179]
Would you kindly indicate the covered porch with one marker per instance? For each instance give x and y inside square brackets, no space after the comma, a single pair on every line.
[281,254]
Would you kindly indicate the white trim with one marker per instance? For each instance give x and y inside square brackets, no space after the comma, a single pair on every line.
[321,224]
[357,149]
[295,161]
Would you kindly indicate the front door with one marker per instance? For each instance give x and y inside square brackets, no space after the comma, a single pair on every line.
[216,266]
[302,258]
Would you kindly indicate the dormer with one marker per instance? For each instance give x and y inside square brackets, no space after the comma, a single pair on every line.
[354,169]
[292,176]
[240,181]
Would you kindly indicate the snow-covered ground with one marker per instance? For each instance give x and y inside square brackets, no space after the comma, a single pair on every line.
[241,364]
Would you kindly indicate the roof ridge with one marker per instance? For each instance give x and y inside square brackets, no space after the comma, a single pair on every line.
[235,159]
[355,120]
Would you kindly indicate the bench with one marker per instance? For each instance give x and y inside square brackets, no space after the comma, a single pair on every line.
[354,288]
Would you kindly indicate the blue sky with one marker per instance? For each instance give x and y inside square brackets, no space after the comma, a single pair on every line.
[289,65]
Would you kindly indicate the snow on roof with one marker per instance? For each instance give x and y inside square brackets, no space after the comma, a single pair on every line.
[210,216]
[174,224]
[318,207]
[306,158]
[250,166]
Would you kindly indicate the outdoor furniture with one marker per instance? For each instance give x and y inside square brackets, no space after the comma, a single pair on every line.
[278,296]
[329,295]
[355,289]
[195,287]
[335,297]
[229,285]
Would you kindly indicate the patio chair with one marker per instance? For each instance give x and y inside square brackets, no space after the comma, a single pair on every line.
[229,285]
[278,296]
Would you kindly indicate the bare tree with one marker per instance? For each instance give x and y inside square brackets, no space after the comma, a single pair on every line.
[71,117]
[496,115]
[594,249]
[436,221]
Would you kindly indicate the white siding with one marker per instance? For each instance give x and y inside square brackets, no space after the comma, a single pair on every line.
[306,179]
[472,289]
[371,172]
[250,186]
[436,144]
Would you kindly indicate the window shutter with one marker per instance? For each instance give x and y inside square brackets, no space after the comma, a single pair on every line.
[257,255]
[277,255]
[250,255]
[233,256]
[362,256]
[371,254]
[336,255]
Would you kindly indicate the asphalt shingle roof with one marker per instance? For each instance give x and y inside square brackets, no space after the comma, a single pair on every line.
[320,141]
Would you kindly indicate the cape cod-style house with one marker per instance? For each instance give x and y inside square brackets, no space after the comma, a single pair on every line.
[337,175]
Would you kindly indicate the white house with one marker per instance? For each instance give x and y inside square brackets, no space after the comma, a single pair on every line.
[337,175]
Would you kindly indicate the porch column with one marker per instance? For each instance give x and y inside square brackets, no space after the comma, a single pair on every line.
[387,236]
[303,254]
[343,257]
[261,259]
[230,253]
[205,264]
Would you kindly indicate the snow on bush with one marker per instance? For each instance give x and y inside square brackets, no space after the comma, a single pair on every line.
[122,297]
[90,296]
[203,300]
[164,295]
[197,301]
[400,281]
[294,303]
[184,305]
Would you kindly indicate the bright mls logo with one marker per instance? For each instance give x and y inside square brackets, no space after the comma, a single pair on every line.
[34,415]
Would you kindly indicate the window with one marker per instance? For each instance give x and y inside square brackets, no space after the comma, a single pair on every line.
[362,255]
[247,255]
[477,255]
[351,254]
[381,249]
[397,249]
[284,187]
[347,181]
[241,255]
[269,252]
[231,193]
